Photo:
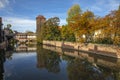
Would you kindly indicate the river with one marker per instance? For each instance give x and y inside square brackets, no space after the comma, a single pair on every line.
[52,63]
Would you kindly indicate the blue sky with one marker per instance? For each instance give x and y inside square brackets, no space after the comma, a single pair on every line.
[22,13]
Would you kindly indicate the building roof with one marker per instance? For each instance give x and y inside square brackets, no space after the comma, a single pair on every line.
[26,34]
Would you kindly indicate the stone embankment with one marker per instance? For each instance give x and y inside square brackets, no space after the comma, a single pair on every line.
[105,50]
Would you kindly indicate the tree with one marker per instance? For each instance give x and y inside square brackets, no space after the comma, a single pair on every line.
[51,30]
[48,59]
[82,27]
[116,26]
[9,26]
[73,11]
[66,34]
[29,32]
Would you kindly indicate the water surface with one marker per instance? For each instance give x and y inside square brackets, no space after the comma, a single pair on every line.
[50,63]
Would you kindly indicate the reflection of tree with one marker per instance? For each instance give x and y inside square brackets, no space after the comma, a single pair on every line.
[48,59]
[9,52]
[82,70]
[117,75]
[67,58]
[2,59]
[111,74]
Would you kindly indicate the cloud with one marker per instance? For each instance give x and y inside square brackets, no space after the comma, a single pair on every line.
[105,6]
[101,7]
[24,24]
[63,22]
[20,24]
[3,3]
[61,16]
[51,14]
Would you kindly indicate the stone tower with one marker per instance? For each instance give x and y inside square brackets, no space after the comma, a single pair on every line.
[40,20]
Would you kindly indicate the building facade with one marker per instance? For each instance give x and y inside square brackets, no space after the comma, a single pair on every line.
[26,38]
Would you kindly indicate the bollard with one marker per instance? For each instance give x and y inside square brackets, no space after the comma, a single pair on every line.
[95,47]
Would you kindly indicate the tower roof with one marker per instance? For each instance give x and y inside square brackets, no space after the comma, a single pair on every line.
[40,17]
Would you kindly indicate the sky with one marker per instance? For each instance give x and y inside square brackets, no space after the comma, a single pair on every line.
[21,14]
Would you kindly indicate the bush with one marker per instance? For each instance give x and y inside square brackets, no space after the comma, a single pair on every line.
[106,40]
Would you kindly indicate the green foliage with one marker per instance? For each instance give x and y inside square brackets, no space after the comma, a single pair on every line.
[106,40]
[73,11]
[51,30]
[9,26]
[29,32]
[66,34]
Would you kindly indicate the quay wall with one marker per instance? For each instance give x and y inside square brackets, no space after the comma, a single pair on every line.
[101,49]
[105,61]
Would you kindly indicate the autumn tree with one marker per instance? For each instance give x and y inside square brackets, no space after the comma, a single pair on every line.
[83,26]
[116,26]
[72,12]
[110,28]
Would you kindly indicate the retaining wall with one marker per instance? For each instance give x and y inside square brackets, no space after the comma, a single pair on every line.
[106,50]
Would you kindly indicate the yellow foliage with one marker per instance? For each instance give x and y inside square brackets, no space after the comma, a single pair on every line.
[117,40]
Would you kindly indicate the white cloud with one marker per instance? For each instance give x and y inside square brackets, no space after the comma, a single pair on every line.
[105,6]
[49,15]
[24,24]
[113,4]
[20,24]
[3,3]
[63,22]
[101,7]
[61,16]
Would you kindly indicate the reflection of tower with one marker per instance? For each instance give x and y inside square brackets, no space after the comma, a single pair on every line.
[40,57]
[39,23]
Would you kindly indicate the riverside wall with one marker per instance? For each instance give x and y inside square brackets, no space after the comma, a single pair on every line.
[105,50]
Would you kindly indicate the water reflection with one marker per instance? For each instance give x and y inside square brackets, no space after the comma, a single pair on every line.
[48,59]
[25,48]
[83,70]
[85,66]
[52,63]
[2,60]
